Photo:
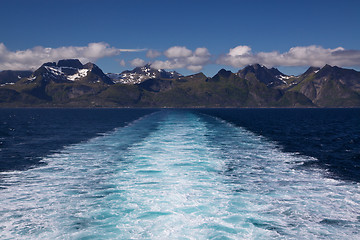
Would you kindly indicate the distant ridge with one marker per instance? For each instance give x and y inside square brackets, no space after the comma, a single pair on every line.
[139,74]
[69,83]
[271,77]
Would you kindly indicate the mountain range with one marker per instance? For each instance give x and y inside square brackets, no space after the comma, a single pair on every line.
[139,74]
[69,83]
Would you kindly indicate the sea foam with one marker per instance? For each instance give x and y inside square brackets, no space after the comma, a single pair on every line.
[177,175]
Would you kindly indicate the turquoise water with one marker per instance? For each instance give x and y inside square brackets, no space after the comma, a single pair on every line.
[177,175]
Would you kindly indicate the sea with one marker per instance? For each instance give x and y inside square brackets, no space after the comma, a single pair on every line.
[179,173]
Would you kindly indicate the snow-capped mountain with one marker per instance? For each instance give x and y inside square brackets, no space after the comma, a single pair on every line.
[70,70]
[140,74]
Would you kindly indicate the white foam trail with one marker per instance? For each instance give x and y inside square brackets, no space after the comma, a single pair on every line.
[176,175]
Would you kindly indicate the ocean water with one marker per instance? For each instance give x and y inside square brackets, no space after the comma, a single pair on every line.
[27,135]
[182,174]
[330,136]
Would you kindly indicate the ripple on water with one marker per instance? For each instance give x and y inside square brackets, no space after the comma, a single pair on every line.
[191,177]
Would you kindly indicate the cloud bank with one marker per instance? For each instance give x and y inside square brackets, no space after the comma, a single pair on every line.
[35,57]
[178,57]
[317,56]
[182,57]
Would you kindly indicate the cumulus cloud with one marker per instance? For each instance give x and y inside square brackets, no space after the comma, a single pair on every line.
[202,52]
[317,56]
[122,63]
[177,52]
[239,51]
[181,57]
[137,62]
[153,53]
[33,58]
[168,64]
[241,56]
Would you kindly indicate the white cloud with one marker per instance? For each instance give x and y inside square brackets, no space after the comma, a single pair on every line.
[122,62]
[168,64]
[177,52]
[239,51]
[194,68]
[181,57]
[153,53]
[35,57]
[162,65]
[297,56]
[137,62]
[202,52]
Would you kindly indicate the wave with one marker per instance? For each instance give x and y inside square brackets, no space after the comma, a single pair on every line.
[176,174]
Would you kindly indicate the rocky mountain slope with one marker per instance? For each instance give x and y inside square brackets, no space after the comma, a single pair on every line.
[69,83]
[330,86]
[271,77]
[69,70]
[11,77]
[139,74]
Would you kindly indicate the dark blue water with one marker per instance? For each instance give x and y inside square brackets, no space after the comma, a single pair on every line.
[27,135]
[179,174]
[331,136]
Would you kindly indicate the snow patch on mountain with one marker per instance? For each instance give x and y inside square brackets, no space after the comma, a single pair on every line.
[67,73]
[129,78]
[80,74]
[55,70]
[283,78]
[4,84]
[140,74]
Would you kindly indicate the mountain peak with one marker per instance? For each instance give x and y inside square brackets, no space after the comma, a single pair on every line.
[140,74]
[257,66]
[221,75]
[224,73]
[276,71]
[69,70]
[49,64]
[271,77]
[90,66]
[73,63]
[311,70]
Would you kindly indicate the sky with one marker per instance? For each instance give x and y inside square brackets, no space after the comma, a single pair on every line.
[186,36]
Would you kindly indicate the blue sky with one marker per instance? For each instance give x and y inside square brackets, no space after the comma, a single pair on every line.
[188,36]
